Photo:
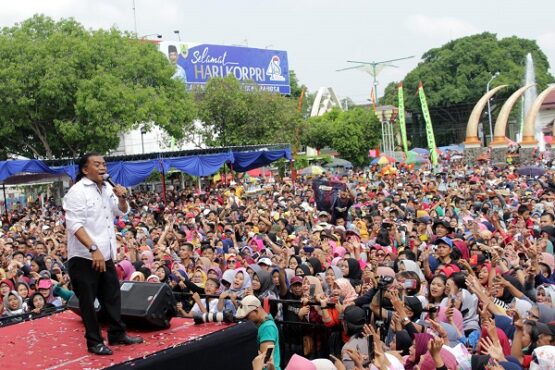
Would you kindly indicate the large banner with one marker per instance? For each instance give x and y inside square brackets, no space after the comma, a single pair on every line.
[197,63]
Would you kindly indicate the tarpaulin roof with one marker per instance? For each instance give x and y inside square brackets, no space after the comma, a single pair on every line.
[130,173]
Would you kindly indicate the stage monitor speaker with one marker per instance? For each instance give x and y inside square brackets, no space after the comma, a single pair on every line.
[143,305]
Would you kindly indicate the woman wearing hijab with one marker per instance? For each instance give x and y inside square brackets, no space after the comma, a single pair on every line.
[147,258]
[124,270]
[263,288]
[315,265]
[240,282]
[332,273]
[163,273]
[351,271]
[13,304]
[408,265]
[38,304]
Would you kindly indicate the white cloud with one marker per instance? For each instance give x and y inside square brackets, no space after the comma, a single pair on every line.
[440,27]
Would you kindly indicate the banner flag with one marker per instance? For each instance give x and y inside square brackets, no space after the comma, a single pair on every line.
[401,106]
[429,128]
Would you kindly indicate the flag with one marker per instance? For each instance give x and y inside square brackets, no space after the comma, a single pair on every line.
[401,106]
[429,128]
[373,98]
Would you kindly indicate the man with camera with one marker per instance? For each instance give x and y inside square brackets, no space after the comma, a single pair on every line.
[268,335]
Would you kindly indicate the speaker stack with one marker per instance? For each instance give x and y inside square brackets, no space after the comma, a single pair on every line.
[143,305]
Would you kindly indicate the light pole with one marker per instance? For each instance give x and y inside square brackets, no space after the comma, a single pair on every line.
[489,108]
[373,68]
[143,132]
[178,35]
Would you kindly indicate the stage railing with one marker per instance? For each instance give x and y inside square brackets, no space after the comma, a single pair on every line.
[15,319]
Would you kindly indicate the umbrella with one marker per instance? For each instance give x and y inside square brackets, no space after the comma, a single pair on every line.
[338,162]
[531,171]
[420,151]
[416,160]
[452,148]
[257,172]
[312,170]
[382,160]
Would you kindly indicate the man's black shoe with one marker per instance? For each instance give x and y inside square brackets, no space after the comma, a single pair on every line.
[125,339]
[100,349]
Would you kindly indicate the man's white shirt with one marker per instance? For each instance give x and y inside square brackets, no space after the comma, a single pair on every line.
[87,207]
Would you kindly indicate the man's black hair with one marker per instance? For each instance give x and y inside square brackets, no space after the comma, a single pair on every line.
[522,208]
[82,163]
[550,215]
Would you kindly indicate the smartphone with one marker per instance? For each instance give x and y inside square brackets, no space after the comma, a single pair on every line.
[312,289]
[268,354]
[409,284]
[370,348]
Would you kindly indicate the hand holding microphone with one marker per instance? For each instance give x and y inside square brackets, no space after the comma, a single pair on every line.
[118,190]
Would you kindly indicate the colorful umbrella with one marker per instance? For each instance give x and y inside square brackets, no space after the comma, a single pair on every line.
[383,160]
[311,170]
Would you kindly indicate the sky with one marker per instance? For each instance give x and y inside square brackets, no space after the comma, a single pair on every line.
[319,35]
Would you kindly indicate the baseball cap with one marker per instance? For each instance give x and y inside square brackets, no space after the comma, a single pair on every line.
[444,240]
[323,213]
[265,261]
[248,304]
[354,315]
[296,280]
[44,284]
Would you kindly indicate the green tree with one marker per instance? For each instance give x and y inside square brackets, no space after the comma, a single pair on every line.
[457,72]
[241,114]
[65,90]
[352,133]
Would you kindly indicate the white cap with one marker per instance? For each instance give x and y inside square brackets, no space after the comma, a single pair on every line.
[266,261]
[248,304]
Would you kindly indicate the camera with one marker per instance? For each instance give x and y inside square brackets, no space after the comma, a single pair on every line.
[384,281]
[225,316]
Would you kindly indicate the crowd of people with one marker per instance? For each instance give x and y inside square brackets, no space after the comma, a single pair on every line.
[411,270]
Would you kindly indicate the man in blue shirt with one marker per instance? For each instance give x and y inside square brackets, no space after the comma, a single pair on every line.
[268,335]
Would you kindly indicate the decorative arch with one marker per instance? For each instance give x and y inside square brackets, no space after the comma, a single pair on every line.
[503,118]
[472,126]
[530,122]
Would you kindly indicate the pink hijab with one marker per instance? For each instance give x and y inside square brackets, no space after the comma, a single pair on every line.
[347,290]
[457,318]
[150,259]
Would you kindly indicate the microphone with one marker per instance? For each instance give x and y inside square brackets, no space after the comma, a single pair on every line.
[108,179]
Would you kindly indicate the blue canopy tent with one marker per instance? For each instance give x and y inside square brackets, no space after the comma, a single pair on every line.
[128,171]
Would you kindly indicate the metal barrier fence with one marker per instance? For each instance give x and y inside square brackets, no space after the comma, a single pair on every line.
[309,339]
[27,316]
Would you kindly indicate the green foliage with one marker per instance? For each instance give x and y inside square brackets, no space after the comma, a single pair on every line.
[352,133]
[458,71]
[65,90]
[236,114]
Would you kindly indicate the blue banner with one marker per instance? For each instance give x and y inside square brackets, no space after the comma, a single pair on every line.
[197,63]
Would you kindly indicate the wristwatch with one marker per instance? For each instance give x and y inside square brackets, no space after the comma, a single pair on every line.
[93,248]
[406,320]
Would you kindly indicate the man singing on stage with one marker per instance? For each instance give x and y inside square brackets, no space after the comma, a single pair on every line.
[90,207]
